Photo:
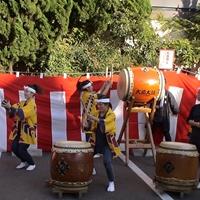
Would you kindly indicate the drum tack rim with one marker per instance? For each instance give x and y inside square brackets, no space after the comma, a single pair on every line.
[162,84]
[122,95]
[72,147]
[131,81]
[178,148]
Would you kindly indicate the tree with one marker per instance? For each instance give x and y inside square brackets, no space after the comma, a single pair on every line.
[184,37]
[28,30]
[91,55]
[114,21]
[119,17]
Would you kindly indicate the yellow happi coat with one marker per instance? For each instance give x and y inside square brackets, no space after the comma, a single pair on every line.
[89,103]
[25,122]
[89,98]
[110,130]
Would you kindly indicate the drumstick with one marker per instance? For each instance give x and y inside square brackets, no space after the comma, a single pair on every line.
[111,76]
[86,110]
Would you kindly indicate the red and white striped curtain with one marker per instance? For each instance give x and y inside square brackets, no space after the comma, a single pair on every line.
[59,108]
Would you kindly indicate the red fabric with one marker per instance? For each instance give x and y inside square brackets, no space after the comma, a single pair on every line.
[12,84]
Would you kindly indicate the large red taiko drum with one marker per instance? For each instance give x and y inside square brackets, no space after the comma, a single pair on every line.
[142,83]
[177,166]
[71,163]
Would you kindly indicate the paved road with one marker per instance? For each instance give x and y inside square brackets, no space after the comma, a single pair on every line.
[23,185]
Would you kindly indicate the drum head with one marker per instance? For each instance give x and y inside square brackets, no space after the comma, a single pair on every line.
[177,146]
[123,85]
[72,144]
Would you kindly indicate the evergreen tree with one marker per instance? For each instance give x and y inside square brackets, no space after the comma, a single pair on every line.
[119,17]
[28,30]
[118,20]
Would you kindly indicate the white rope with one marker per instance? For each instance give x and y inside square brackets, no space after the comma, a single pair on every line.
[66,74]
[146,179]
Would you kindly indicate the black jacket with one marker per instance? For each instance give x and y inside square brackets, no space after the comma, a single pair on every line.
[162,112]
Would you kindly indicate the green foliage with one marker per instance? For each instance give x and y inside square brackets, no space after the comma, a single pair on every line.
[184,38]
[119,18]
[129,17]
[29,29]
[89,56]
[185,54]
[113,21]
[145,47]
[56,36]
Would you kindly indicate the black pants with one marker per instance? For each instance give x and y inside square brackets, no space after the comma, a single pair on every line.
[107,161]
[20,150]
[196,141]
[164,127]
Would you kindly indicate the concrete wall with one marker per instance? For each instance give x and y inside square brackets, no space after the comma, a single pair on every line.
[175,3]
[171,8]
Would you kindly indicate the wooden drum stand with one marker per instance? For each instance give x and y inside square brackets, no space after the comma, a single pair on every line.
[147,143]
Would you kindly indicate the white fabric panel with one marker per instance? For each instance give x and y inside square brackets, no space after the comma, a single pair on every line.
[141,126]
[178,93]
[58,116]
[117,107]
[83,137]
[3,127]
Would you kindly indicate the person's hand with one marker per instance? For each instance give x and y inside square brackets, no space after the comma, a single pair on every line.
[197,124]
[92,118]
[108,83]
[6,104]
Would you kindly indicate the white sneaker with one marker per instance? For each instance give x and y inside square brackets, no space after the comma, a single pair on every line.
[30,167]
[96,156]
[94,171]
[111,187]
[198,186]
[21,165]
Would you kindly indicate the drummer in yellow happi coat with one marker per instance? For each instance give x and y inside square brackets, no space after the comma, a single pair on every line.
[88,97]
[23,133]
[103,136]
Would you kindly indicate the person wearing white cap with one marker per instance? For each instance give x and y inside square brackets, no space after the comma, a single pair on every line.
[88,96]
[103,137]
[24,130]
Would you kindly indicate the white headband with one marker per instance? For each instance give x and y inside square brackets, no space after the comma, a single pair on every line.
[29,89]
[106,100]
[87,85]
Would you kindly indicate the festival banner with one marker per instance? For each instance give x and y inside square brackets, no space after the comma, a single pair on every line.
[59,109]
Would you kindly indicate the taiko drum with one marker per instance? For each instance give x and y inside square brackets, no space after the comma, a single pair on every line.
[142,83]
[71,163]
[177,166]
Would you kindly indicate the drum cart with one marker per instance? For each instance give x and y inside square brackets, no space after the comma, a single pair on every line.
[71,167]
[62,188]
[161,188]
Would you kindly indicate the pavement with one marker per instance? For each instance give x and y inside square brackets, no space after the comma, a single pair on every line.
[133,182]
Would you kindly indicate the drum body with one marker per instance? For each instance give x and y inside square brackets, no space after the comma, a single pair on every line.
[71,163]
[141,83]
[177,166]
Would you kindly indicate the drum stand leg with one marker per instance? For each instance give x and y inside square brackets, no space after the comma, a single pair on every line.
[149,112]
